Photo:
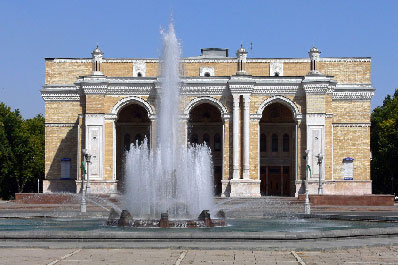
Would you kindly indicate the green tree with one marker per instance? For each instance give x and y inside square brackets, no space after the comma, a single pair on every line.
[384,146]
[21,152]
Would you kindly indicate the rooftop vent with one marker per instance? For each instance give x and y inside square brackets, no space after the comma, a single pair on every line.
[214,52]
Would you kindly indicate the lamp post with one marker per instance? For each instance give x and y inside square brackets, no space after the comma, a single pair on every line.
[83,205]
[320,187]
[87,157]
[307,206]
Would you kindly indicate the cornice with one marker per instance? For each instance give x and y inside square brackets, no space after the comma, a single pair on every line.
[366,124]
[353,95]
[203,90]
[51,124]
[215,60]
[49,94]
[275,89]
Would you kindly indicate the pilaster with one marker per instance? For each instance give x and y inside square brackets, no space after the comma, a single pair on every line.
[246,136]
[236,118]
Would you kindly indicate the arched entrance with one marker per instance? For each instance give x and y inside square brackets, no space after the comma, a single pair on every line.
[205,125]
[132,127]
[277,150]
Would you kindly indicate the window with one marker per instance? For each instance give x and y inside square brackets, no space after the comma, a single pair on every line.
[139,74]
[126,142]
[276,74]
[285,143]
[263,143]
[274,143]
[217,142]
[206,139]
[207,74]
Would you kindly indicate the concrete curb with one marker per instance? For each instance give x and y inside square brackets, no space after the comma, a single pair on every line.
[193,236]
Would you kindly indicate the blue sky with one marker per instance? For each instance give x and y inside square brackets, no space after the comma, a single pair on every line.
[33,30]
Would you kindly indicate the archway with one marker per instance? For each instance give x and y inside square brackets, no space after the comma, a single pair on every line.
[277,150]
[205,125]
[132,127]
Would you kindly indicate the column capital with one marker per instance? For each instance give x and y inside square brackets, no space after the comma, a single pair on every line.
[236,98]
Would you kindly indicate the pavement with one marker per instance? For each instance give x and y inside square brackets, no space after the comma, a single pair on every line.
[363,246]
[366,255]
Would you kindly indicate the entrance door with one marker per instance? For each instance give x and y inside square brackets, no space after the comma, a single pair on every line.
[274,181]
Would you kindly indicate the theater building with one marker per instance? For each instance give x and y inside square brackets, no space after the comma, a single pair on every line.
[258,115]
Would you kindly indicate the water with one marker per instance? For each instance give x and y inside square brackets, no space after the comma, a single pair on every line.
[234,225]
[171,177]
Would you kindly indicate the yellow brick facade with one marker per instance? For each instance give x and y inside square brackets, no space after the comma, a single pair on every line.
[345,120]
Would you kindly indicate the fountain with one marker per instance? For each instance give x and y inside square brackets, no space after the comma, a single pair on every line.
[171,180]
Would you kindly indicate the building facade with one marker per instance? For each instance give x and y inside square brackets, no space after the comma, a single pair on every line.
[258,116]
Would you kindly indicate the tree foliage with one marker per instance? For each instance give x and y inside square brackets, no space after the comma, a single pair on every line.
[384,146]
[21,152]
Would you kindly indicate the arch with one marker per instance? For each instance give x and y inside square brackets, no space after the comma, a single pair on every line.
[283,100]
[197,101]
[132,100]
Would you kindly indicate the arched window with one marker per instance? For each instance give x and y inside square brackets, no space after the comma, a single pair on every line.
[206,139]
[285,142]
[126,142]
[263,143]
[207,74]
[276,74]
[138,139]
[139,74]
[274,143]
[194,139]
[217,142]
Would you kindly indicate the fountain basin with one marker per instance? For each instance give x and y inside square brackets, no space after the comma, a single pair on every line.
[127,220]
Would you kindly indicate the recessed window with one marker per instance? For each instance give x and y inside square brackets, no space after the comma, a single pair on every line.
[274,143]
[285,143]
[276,74]
[207,74]
[139,74]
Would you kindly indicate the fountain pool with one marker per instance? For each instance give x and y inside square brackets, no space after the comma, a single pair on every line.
[272,224]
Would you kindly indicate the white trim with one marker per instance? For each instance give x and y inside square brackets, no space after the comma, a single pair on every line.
[59,124]
[130,100]
[199,100]
[280,99]
[367,124]
[209,60]
[114,150]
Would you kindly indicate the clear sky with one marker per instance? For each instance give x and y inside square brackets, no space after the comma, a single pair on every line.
[33,30]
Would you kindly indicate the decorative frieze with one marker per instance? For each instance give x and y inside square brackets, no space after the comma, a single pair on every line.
[93,89]
[275,89]
[139,68]
[367,124]
[60,124]
[353,95]
[216,60]
[276,68]
[206,71]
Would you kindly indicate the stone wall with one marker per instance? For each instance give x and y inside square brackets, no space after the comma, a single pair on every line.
[351,142]
[344,71]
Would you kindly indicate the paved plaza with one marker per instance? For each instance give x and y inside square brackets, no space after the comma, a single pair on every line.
[51,247]
[22,256]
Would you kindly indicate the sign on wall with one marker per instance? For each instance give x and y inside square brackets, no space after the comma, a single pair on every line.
[347,171]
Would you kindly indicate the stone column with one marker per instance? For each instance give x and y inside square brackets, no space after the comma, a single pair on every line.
[236,112]
[246,136]
[153,132]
